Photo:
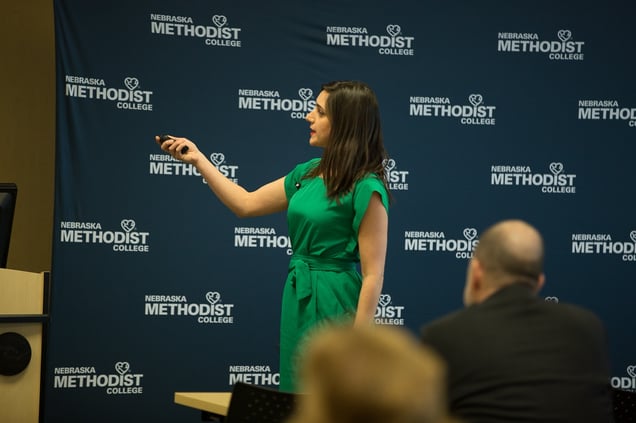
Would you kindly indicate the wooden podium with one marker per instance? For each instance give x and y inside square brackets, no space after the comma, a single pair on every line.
[24,315]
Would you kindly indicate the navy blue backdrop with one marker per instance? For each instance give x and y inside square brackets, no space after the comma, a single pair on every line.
[491,110]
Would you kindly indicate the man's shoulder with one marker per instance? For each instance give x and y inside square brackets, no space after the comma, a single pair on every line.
[442,324]
[574,313]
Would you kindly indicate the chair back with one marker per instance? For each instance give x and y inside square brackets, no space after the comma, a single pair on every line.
[624,405]
[257,404]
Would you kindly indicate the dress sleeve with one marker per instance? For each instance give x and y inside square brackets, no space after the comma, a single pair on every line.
[362,195]
[296,175]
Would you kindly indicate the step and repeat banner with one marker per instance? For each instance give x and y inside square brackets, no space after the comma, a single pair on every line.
[491,110]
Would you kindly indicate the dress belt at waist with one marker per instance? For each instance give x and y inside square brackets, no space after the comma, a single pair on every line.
[300,268]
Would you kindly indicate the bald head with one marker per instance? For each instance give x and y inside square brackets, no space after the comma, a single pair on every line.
[508,252]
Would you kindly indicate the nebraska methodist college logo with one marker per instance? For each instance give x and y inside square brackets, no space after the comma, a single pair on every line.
[555,182]
[165,164]
[254,374]
[261,237]
[476,112]
[602,244]
[393,43]
[219,34]
[387,313]
[120,382]
[628,382]
[177,306]
[437,242]
[563,48]
[606,110]
[128,240]
[396,178]
[128,97]
[271,100]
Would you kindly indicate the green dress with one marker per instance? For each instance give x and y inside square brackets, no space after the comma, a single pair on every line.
[323,283]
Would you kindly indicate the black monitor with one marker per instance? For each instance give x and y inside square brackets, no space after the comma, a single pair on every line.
[8,195]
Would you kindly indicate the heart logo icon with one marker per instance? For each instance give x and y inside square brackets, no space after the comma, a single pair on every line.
[393,30]
[213,297]
[631,370]
[475,99]
[122,367]
[551,299]
[564,34]
[470,233]
[219,20]
[388,164]
[131,83]
[385,300]
[217,158]
[632,235]
[556,167]
[305,93]
[128,225]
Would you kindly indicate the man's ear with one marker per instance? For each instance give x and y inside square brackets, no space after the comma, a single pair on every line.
[473,287]
[477,273]
[540,283]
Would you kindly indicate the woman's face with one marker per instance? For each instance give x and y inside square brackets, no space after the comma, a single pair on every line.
[319,124]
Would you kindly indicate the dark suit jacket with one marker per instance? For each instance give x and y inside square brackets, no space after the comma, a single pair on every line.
[516,358]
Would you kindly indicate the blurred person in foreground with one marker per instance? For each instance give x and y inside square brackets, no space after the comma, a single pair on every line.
[512,356]
[370,374]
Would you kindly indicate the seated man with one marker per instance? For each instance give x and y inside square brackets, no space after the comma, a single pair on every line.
[512,357]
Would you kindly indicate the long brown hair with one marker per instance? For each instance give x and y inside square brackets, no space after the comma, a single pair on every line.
[356,144]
